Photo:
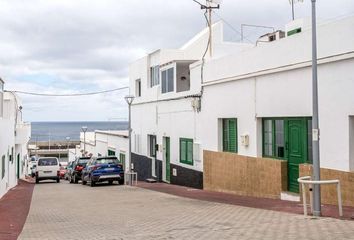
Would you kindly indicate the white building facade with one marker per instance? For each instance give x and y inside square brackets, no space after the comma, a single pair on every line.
[251,100]
[104,143]
[14,137]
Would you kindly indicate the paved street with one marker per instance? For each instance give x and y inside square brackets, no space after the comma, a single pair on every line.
[66,211]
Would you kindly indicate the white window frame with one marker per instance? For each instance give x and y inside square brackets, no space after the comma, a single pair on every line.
[154,76]
[166,68]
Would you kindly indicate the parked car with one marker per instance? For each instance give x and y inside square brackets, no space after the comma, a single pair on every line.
[74,174]
[103,169]
[47,168]
[32,166]
[68,170]
[63,169]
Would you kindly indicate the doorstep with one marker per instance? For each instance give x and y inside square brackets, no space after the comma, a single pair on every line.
[290,196]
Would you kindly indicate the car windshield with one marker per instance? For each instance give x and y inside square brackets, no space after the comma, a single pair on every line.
[83,161]
[47,162]
[106,161]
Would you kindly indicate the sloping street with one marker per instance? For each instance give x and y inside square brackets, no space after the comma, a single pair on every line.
[67,211]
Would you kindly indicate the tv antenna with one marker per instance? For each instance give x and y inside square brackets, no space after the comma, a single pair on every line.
[292,2]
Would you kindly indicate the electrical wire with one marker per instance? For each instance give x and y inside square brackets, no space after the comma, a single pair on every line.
[232,27]
[197,2]
[67,95]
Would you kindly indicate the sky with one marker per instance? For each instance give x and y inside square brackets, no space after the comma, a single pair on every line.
[66,46]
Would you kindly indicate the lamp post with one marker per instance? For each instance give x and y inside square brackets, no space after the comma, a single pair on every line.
[129,99]
[315,122]
[84,129]
[59,147]
[68,141]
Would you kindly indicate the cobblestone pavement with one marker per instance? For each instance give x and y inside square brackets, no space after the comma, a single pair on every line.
[67,211]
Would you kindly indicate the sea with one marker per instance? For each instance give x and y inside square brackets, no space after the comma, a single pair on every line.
[57,131]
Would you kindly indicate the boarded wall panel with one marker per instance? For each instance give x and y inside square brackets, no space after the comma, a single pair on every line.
[247,176]
[329,192]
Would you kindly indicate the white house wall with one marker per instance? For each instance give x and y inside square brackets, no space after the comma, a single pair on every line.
[250,86]
[174,119]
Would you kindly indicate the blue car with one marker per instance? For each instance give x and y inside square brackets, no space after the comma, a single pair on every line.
[103,169]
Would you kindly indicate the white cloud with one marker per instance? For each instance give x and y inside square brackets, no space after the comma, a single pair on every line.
[71,46]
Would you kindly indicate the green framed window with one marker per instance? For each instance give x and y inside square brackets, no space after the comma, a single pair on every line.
[275,137]
[186,151]
[111,152]
[229,135]
[3,166]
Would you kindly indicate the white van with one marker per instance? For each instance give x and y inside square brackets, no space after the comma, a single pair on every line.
[47,168]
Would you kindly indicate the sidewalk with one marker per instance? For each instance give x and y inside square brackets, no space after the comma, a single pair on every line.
[261,203]
[14,208]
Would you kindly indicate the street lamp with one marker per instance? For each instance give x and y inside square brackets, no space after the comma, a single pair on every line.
[59,146]
[129,99]
[315,122]
[68,141]
[84,129]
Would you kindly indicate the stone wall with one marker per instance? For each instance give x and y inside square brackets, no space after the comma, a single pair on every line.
[247,176]
[329,192]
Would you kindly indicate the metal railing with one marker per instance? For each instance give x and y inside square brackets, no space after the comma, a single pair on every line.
[307,180]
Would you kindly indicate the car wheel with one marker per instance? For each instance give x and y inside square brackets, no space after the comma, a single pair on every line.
[121,182]
[92,183]
[58,180]
[75,179]
[83,182]
[110,182]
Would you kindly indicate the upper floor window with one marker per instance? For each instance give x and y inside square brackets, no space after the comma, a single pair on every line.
[167,77]
[154,76]
[138,88]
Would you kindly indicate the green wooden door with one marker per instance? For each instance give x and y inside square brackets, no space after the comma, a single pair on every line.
[297,150]
[18,166]
[167,159]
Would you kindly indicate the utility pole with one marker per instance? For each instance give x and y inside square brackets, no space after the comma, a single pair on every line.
[292,9]
[210,32]
[210,5]
[315,121]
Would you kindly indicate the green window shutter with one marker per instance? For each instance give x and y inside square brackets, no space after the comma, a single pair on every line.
[190,152]
[183,150]
[232,135]
[186,151]
[225,135]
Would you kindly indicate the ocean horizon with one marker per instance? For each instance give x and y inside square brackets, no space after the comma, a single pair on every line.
[60,130]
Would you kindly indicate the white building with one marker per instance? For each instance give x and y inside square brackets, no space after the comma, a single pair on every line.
[105,143]
[14,136]
[252,100]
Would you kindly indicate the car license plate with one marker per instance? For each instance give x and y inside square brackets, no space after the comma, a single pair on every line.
[47,171]
[109,169]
